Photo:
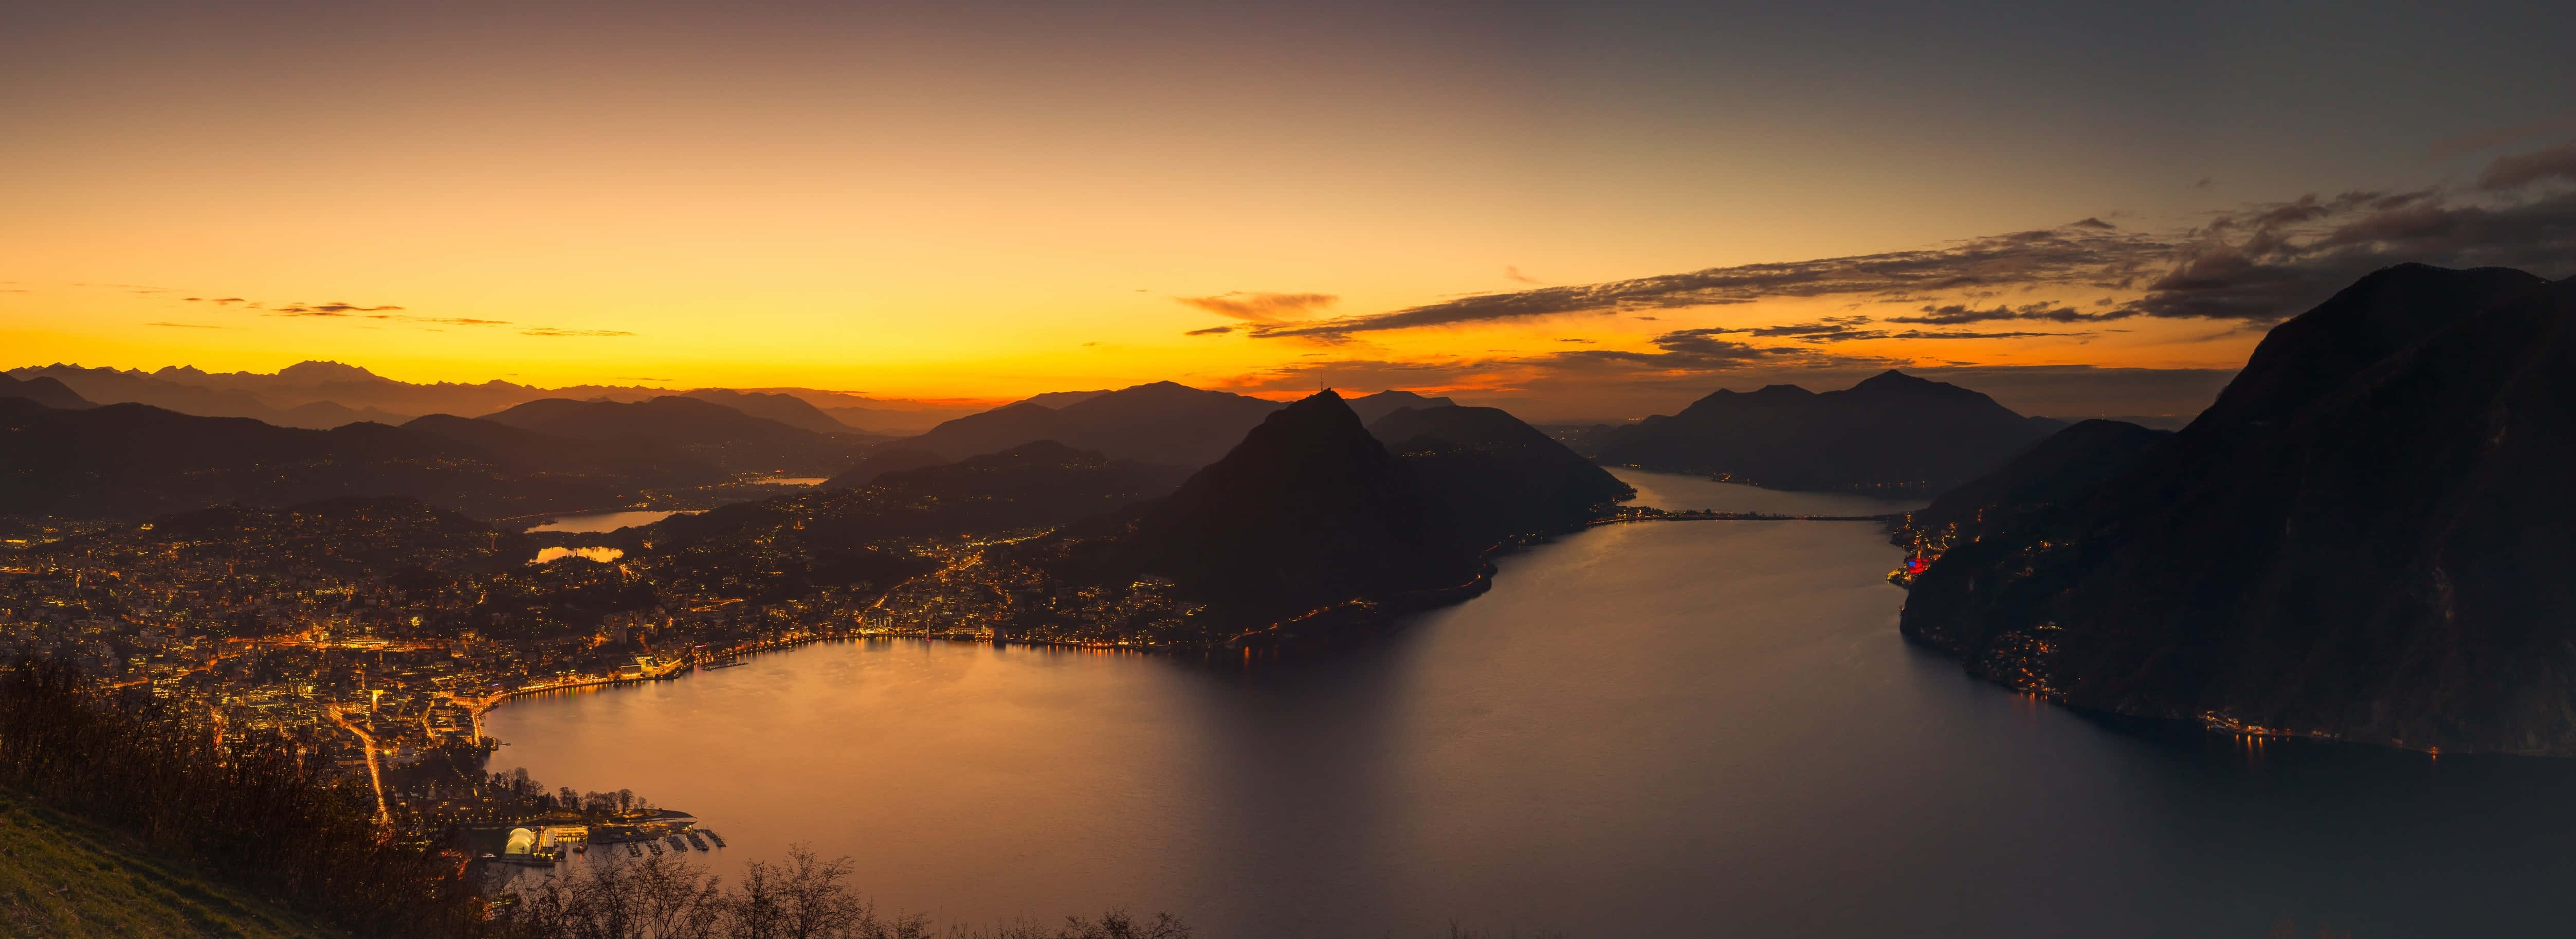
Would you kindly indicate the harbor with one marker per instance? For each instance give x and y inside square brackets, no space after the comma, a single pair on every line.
[655,832]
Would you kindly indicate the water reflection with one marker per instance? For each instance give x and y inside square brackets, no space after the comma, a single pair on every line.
[606,521]
[1674,728]
[602,555]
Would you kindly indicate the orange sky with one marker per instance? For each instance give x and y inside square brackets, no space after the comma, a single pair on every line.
[928,202]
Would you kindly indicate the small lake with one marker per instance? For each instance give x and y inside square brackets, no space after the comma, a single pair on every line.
[1702,728]
[606,521]
[601,555]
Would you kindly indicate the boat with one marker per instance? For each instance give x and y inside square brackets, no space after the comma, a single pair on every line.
[655,847]
[697,842]
[728,663]
[677,844]
[633,851]
[718,839]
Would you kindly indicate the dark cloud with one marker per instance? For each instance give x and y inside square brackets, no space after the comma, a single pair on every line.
[2261,263]
[1705,344]
[1930,334]
[338,310]
[2514,172]
[334,308]
[551,331]
[1583,341]
[1957,313]
[2268,264]
[1829,329]
[1210,331]
[2067,255]
[1513,273]
[1263,307]
[2503,136]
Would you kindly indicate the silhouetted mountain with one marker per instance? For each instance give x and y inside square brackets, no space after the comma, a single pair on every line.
[711,432]
[1498,477]
[2065,465]
[879,462]
[276,397]
[2364,538]
[1054,400]
[1307,513]
[1308,528]
[989,432]
[42,389]
[1370,408]
[1892,431]
[136,461]
[110,386]
[1158,423]
[840,536]
[640,463]
[785,409]
[324,415]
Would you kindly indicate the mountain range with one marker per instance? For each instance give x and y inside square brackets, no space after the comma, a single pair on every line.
[133,461]
[1162,422]
[712,432]
[322,395]
[1891,432]
[2365,538]
[1311,525]
[42,389]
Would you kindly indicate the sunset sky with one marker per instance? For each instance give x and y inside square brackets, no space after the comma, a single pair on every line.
[2084,208]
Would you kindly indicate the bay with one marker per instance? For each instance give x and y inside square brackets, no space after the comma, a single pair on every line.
[1649,729]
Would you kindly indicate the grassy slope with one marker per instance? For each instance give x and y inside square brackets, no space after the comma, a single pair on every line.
[62,878]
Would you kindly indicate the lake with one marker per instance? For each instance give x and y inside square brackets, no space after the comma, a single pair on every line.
[588,522]
[1651,729]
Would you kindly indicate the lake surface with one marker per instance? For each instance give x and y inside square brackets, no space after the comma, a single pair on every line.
[605,521]
[1700,728]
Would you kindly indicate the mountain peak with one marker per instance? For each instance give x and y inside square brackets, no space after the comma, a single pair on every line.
[1309,510]
[317,370]
[1895,379]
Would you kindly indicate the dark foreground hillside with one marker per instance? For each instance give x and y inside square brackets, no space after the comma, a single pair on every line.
[2366,538]
[60,877]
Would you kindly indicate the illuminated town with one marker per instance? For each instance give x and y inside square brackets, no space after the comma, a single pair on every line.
[375,634]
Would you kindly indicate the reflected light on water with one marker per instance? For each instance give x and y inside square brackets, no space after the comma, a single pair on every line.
[602,555]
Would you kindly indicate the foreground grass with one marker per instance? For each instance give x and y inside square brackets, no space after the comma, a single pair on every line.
[62,878]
